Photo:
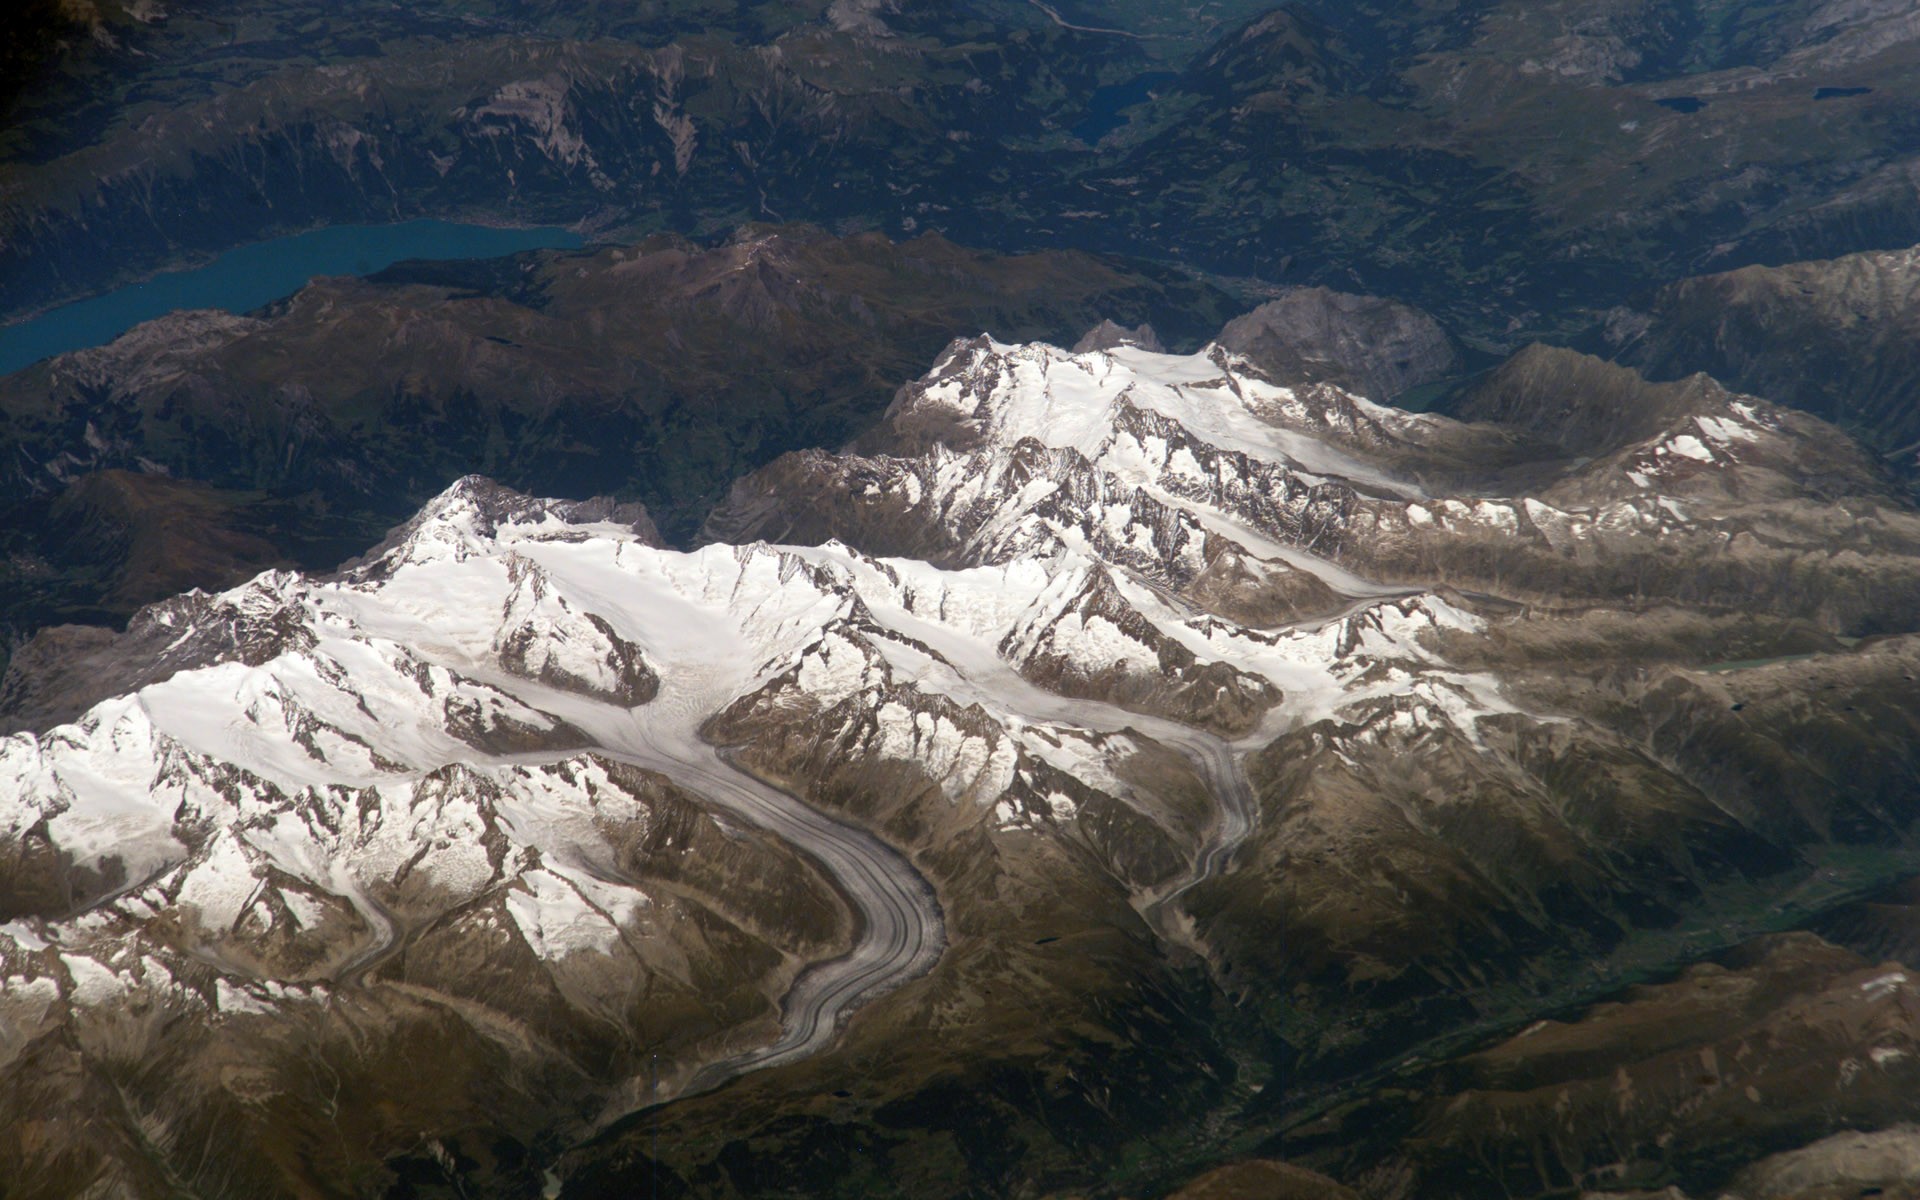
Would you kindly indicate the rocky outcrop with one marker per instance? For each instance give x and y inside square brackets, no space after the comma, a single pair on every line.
[1109,336]
[1087,640]
[1375,347]
[544,639]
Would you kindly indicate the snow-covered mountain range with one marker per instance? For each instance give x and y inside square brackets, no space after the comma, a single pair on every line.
[1315,693]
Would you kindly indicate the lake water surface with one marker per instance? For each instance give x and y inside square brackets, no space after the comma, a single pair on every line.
[1106,108]
[244,279]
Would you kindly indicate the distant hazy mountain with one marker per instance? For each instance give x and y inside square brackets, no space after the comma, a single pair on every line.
[1836,338]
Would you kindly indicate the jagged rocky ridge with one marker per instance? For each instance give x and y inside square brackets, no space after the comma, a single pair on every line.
[1182,743]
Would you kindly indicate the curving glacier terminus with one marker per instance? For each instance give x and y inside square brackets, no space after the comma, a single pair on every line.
[1113,749]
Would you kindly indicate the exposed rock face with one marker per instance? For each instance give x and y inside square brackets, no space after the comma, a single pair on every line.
[541,637]
[1422,824]
[64,670]
[538,981]
[465,518]
[1365,344]
[1109,336]
[1049,647]
[989,458]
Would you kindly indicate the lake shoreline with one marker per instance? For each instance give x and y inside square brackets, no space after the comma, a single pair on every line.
[246,278]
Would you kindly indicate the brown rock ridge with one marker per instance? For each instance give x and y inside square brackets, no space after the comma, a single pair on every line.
[1375,347]
[1836,338]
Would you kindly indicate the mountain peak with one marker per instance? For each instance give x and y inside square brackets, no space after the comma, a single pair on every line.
[1108,335]
[462,519]
[1110,644]
[1376,347]
[1583,404]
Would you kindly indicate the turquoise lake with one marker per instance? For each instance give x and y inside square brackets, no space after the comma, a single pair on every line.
[246,278]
